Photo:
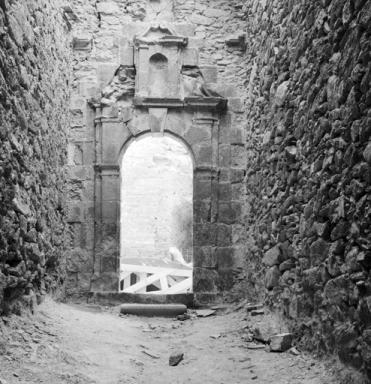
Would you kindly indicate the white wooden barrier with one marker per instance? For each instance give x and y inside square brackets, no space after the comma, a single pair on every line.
[163,277]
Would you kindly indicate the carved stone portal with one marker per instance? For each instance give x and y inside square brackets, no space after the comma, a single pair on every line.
[159,87]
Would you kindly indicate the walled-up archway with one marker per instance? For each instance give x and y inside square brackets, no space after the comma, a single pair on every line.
[156,220]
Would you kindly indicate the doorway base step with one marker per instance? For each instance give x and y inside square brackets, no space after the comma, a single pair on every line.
[152,310]
[117,298]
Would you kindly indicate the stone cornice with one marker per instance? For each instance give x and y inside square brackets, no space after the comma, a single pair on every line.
[199,103]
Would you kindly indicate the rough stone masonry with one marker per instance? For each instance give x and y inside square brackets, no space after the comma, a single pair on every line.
[282,200]
[34,114]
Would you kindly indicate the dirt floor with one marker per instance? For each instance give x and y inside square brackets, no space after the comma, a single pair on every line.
[85,344]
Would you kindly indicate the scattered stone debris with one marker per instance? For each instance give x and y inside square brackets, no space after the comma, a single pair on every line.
[184,317]
[281,342]
[221,307]
[216,336]
[205,312]
[294,351]
[257,312]
[175,359]
[255,346]
[254,307]
[261,336]
[151,355]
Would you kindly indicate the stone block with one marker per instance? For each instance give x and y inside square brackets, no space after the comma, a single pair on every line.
[225,128]
[281,342]
[214,12]
[130,29]
[225,258]
[82,42]
[238,156]
[108,230]
[157,119]
[287,265]
[190,57]
[77,103]
[224,238]
[203,155]
[88,155]
[88,89]
[175,359]
[84,282]
[225,90]
[237,175]
[196,42]
[21,207]
[204,234]
[75,213]
[319,251]
[272,257]
[201,20]
[238,136]
[224,175]
[229,212]
[184,29]
[105,282]
[272,277]
[238,192]
[177,122]
[226,280]
[235,104]
[110,211]
[338,290]
[80,172]
[105,73]
[204,280]
[201,190]
[110,111]
[210,73]
[281,93]
[114,135]
[224,155]
[109,264]
[108,8]
[110,188]
[224,191]
[367,153]
[202,211]
[204,257]
[16,30]
[126,52]
[197,135]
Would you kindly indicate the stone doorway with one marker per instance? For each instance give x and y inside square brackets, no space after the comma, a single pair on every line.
[156,216]
[189,109]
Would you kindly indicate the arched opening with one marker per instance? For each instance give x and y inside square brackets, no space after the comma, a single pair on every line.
[156,224]
[158,75]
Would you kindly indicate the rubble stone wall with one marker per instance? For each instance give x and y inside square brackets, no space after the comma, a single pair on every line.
[34,81]
[309,168]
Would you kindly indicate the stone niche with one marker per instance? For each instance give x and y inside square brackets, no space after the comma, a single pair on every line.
[159,87]
[158,59]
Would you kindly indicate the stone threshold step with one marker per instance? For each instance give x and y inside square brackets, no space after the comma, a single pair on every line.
[151,310]
[117,298]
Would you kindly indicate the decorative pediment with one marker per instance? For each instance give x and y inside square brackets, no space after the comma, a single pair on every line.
[158,30]
[160,34]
